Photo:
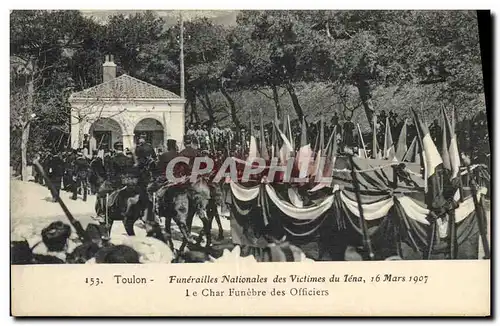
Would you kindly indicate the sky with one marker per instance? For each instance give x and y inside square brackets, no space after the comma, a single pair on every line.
[223,17]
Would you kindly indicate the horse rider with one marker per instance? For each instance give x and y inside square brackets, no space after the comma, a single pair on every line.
[145,157]
[166,157]
[81,167]
[114,167]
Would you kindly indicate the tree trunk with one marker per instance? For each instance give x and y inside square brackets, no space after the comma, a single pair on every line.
[26,129]
[24,150]
[207,105]
[234,116]
[193,115]
[366,98]
[276,100]
[295,101]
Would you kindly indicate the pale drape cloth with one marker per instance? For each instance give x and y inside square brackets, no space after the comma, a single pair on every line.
[372,211]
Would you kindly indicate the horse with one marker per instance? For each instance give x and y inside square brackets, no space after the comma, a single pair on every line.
[181,202]
[121,205]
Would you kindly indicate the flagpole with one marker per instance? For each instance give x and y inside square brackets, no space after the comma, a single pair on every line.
[479,215]
[181,59]
[362,140]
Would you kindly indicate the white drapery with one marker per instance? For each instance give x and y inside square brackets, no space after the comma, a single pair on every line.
[371,211]
[307,213]
[242,193]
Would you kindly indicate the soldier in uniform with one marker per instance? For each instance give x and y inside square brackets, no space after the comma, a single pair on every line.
[69,173]
[86,142]
[115,166]
[167,157]
[145,156]
[191,130]
[216,135]
[55,173]
[81,169]
[97,174]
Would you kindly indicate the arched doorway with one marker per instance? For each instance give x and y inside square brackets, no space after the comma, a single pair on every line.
[106,133]
[153,129]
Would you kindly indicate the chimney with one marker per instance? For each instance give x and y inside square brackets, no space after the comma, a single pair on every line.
[108,69]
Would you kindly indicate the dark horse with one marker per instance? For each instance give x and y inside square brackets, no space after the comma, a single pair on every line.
[121,205]
[182,202]
[129,202]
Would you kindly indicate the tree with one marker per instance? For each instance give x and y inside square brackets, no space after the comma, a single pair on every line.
[41,43]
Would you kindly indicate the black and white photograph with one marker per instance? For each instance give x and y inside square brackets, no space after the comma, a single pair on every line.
[215,136]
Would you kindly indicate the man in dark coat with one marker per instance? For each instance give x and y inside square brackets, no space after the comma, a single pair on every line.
[167,157]
[69,170]
[145,155]
[97,174]
[81,169]
[144,152]
[115,167]
[55,173]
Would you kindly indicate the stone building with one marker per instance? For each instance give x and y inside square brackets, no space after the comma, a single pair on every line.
[121,108]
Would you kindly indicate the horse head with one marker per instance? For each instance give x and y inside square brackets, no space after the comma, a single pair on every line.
[201,194]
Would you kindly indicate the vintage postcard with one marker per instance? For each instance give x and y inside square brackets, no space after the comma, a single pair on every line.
[249,163]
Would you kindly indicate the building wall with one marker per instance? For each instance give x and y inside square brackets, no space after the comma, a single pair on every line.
[127,114]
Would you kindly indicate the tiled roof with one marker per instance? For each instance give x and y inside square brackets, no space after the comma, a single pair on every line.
[125,87]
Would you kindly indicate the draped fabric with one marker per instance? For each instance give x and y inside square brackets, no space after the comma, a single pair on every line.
[305,213]
[242,193]
[267,211]
[371,211]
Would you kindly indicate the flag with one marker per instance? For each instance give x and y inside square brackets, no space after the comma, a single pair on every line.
[263,148]
[274,136]
[304,155]
[411,153]
[319,148]
[361,144]
[389,152]
[451,159]
[253,151]
[445,145]
[433,165]
[330,157]
[402,148]
[453,148]
[286,148]
[322,134]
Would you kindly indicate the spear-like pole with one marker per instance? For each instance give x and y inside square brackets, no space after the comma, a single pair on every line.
[481,220]
[76,224]
[362,221]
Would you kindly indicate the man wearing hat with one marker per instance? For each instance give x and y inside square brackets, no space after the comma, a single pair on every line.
[81,170]
[144,154]
[56,171]
[167,157]
[97,172]
[115,166]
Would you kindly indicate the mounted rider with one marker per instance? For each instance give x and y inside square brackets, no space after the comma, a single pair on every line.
[118,171]
[145,158]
